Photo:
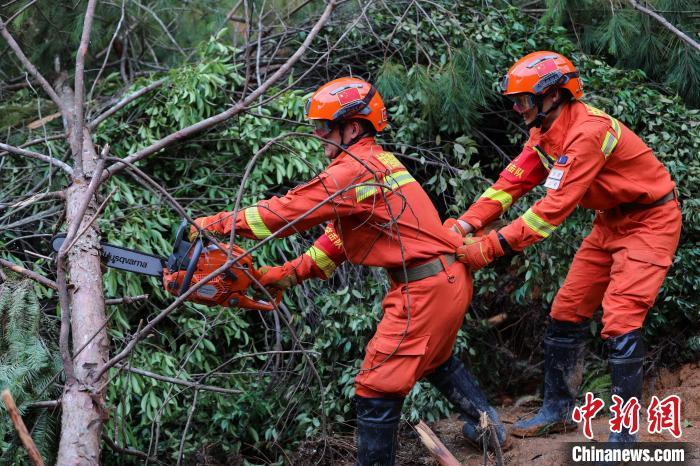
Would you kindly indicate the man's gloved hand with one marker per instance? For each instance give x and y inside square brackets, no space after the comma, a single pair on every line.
[480,251]
[278,278]
[203,223]
[458,226]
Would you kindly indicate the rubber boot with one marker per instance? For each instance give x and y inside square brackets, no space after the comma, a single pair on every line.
[377,428]
[626,358]
[456,383]
[563,370]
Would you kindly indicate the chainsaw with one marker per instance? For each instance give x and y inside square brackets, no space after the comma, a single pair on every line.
[189,264]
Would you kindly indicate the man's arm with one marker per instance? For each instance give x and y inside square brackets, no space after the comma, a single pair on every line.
[319,261]
[520,176]
[568,181]
[274,214]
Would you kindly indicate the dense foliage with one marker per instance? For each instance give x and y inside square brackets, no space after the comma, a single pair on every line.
[438,74]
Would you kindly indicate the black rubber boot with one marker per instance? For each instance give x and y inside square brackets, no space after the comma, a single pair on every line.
[456,383]
[377,428]
[563,369]
[626,358]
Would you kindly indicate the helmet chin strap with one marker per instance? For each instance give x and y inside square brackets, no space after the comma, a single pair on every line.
[353,141]
[541,114]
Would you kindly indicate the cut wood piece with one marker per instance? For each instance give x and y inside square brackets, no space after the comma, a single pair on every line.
[435,446]
[39,123]
[27,441]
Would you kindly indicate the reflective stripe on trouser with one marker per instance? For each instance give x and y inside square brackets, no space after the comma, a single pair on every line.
[616,267]
[392,365]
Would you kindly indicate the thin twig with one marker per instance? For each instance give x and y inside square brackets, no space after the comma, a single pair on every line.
[35,155]
[124,102]
[176,381]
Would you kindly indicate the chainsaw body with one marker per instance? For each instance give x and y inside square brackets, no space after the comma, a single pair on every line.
[190,263]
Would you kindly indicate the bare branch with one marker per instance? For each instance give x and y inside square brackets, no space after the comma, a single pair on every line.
[126,300]
[76,132]
[29,274]
[124,102]
[31,68]
[176,381]
[36,141]
[27,441]
[665,23]
[126,451]
[35,155]
[240,106]
[50,404]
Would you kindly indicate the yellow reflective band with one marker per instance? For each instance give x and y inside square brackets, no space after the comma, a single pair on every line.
[502,197]
[397,179]
[392,181]
[616,126]
[610,140]
[594,111]
[609,144]
[362,192]
[256,224]
[322,260]
[536,224]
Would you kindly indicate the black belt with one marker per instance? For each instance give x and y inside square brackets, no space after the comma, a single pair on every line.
[634,206]
[419,272]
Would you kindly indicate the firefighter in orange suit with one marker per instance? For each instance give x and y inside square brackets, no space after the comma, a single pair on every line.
[588,158]
[376,214]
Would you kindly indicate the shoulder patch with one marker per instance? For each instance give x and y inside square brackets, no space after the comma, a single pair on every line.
[389,160]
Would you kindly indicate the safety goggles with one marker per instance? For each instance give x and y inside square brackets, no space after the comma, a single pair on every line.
[522,102]
[322,128]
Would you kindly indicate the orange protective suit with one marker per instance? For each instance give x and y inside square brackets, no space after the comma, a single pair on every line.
[378,215]
[591,159]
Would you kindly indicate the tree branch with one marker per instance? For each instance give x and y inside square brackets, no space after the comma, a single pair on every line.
[665,23]
[30,67]
[27,441]
[176,381]
[240,106]
[35,155]
[124,102]
[29,274]
[76,131]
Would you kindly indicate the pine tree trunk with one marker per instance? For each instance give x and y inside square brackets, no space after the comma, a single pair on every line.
[83,412]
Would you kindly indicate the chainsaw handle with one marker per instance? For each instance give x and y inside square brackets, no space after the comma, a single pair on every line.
[198,246]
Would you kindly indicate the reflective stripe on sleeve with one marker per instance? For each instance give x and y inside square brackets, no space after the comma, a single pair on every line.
[398,179]
[502,197]
[256,224]
[362,192]
[536,224]
[612,136]
[323,262]
[391,182]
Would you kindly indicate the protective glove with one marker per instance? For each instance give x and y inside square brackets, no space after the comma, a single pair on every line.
[203,223]
[458,226]
[278,278]
[480,251]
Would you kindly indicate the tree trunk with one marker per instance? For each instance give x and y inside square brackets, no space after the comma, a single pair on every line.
[83,412]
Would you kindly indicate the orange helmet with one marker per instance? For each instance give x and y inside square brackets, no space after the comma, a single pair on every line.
[342,99]
[538,72]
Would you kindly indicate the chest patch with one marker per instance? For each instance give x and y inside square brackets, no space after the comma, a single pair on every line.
[557,173]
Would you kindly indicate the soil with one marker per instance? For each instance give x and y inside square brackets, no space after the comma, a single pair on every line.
[548,451]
